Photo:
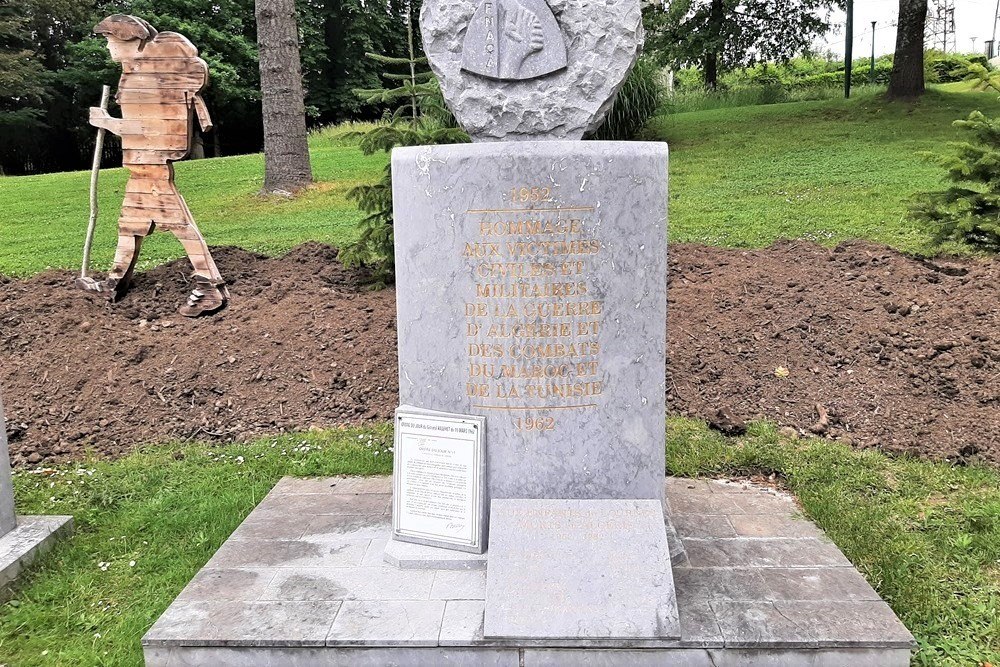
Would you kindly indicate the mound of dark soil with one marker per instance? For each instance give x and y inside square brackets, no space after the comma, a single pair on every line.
[301,345]
[856,343]
[859,343]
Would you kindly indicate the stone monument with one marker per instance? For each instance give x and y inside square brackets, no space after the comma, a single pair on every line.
[22,539]
[532,292]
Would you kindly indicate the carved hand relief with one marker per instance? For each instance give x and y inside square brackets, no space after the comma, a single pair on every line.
[521,70]
[513,40]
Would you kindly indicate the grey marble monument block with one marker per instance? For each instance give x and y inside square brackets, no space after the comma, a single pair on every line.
[531,69]
[8,520]
[580,569]
[531,287]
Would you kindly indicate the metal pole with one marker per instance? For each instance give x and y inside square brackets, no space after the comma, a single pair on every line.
[945,42]
[872,76]
[849,49]
[95,171]
[954,33]
[996,14]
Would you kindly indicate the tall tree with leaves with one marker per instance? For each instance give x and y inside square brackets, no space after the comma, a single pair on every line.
[286,145]
[35,109]
[336,37]
[420,119]
[22,86]
[907,80]
[718,35]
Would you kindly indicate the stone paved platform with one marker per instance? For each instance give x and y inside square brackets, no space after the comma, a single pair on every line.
[303,582]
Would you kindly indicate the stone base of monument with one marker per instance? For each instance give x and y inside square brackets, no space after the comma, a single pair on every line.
[33,536]
[308,580]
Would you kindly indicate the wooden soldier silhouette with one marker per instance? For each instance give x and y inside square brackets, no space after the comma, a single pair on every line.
[160,95]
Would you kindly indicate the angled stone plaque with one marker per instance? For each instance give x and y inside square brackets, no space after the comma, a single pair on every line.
[8,520]
[21,538]
[579,569]
[532,290]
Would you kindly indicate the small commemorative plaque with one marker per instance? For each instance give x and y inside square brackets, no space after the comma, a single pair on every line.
[439,489]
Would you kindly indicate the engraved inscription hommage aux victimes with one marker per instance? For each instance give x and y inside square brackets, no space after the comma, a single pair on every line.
[514,40]
[533,327]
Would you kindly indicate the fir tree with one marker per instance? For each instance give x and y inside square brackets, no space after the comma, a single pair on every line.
[969,211]
[421,118]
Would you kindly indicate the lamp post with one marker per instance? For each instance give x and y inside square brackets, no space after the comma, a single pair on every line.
[871,78]
[849,49]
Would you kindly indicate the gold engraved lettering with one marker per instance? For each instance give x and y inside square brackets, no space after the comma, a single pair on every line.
[476,310]
[560,330]
[531,290]
[534,329]
[477,390]
[482,249]
[535,227]
[567,309]
[486,350]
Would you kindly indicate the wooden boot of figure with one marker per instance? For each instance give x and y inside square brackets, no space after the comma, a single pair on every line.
[119,279]
[208,296]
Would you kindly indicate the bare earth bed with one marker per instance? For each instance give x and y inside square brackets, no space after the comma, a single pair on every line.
[858,342]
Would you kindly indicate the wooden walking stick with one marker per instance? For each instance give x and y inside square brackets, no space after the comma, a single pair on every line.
[94,173]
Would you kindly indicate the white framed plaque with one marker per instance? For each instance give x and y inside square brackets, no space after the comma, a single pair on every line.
[439,492]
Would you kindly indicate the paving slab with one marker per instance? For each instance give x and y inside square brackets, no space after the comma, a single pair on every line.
[772,525]
[459,585]
[714,658]
[388,623]
[335,485]
[704,525]
[30,538]
[239,623]
[780,595]
[289,505]
[349,583]
[289,553]
[333,528]
[764,552]
[228,584]
[805,624]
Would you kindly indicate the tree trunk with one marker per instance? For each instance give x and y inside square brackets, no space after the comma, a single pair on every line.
[711,71]
[197,146]
[716,16]
[907,81]
[286,147]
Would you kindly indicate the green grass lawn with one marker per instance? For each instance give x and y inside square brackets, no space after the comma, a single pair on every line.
[924,534]
[826,171]
[741,177]
[45,217]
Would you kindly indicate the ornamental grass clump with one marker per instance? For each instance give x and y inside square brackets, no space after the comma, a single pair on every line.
[637,103]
